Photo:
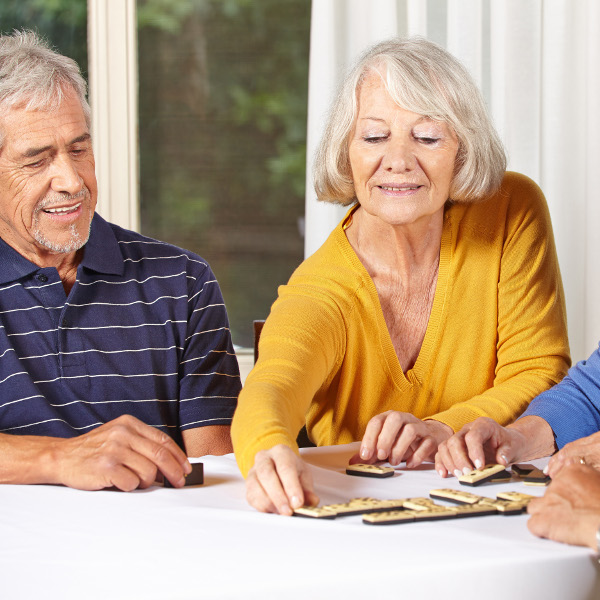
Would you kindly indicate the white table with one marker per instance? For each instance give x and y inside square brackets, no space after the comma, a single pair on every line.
[206,542]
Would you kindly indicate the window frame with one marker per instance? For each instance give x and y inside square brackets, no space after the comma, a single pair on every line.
[112,57]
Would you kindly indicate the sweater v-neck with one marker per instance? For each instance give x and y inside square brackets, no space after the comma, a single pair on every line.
[418,372]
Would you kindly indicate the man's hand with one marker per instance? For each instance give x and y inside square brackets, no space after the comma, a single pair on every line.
[396,436]
[124,453]
[279,482]
[478,443]
[583,451]
[569,512]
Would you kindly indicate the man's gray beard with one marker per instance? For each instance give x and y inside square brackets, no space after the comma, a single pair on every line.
[74,243]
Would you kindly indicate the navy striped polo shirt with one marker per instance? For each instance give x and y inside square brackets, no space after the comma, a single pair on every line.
[144,331]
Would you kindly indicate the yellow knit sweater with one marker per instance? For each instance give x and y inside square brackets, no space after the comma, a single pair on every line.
[495,339]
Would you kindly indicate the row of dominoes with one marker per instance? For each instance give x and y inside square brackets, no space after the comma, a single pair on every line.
[404,510]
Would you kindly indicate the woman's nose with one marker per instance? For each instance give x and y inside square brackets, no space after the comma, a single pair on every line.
[399,156]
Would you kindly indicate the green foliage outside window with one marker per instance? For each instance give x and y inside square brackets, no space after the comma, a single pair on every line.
[222,131]
[62,22]
[223,96]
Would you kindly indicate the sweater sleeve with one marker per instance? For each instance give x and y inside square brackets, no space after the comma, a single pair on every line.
[572,408]
[532,346]
[300,343]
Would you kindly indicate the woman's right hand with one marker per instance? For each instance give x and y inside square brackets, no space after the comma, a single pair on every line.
[478,443]
[279,482]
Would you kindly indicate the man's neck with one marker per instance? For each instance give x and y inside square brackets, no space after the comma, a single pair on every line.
[66,265]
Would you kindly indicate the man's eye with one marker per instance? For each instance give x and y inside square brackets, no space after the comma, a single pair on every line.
[36,164]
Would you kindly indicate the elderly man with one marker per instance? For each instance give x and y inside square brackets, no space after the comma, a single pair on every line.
[116,350]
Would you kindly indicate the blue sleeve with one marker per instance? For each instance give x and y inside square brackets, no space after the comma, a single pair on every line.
[572,408]
[210,377]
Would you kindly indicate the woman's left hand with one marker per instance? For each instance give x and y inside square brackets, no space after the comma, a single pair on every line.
[397,436]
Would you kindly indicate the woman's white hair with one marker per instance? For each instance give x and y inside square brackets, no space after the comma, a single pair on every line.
[35,77]
[426,79]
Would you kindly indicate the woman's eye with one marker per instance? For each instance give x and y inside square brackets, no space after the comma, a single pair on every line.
[373,139]
[427,140]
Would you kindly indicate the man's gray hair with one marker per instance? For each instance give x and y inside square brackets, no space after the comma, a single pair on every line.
[421,77]
[35,77]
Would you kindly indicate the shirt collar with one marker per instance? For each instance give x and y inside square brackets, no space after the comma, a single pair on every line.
[101,254]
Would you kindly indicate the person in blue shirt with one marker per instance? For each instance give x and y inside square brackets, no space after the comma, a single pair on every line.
[566,418]
[116,360]
[564,422]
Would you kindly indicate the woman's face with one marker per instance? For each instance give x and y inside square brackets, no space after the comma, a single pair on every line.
[402,163]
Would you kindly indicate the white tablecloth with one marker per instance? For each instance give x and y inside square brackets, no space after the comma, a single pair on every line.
[206,542]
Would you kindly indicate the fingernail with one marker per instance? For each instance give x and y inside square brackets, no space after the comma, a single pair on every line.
[187,467]
[457,473]
[545,470]
[364,453]
[381,454]
[441,473]
[478,464]
[504,458]
[284,509]
[296,502]
[466,470]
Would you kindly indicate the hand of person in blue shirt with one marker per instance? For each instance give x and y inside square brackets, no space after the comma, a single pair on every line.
[585,451]
[569,511]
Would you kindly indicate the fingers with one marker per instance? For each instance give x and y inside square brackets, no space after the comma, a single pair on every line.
[279,482]
[389,436]
[573,453]
[538,525]
[453,455]
[310,498]
[474,445]
[398,437]
[369,444]
[159,438]
[425,449]
[443,461]
[356,458]
[264,490]
[124,453]
[151,446]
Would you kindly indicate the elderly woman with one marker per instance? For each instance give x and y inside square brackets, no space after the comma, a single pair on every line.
[436,300]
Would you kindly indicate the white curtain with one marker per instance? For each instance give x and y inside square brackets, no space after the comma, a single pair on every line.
[538,65]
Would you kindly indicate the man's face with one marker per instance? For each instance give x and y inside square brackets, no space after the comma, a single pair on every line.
[48,189]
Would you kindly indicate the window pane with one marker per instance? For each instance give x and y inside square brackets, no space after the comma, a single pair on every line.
[222,127]
[62,22]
